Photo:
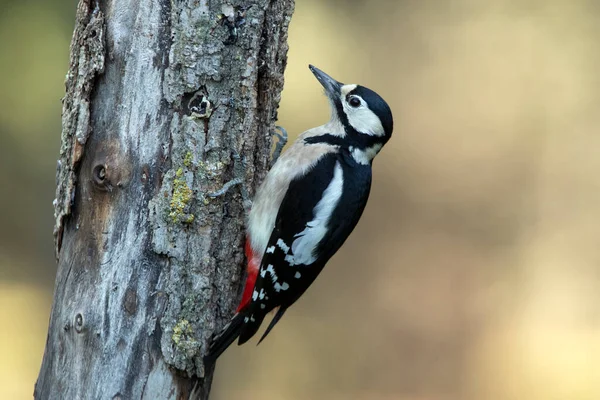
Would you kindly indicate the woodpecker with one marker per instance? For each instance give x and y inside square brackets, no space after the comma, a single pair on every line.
[307,206]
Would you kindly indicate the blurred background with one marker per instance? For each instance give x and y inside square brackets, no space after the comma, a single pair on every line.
[475,270]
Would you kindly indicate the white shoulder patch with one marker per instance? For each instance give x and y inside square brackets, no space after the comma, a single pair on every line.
[305,242]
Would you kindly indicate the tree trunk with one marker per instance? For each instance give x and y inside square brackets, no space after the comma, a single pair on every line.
[160,96]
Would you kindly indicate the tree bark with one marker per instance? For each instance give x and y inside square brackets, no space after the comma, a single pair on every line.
[160,96]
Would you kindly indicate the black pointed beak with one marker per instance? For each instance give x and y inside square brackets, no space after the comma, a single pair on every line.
[332,87]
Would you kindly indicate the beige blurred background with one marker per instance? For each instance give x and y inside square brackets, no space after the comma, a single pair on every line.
[475,271]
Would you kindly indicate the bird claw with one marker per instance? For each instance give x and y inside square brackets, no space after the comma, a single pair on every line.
[226,187]
[281,142]
[239,172]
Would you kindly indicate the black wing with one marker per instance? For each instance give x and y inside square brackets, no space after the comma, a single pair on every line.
[296,254]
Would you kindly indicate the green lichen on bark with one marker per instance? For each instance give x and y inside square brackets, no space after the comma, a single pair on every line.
[188,159]
[183,338]
[179,205]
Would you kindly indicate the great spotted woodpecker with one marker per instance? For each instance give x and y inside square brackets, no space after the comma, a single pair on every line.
[308,204]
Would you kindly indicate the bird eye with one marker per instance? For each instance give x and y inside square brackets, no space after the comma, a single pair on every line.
[354,101]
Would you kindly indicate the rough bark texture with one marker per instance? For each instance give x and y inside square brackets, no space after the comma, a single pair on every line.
[161,94]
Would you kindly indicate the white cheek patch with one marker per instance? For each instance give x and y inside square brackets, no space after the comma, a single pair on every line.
[306,242]
[364,120]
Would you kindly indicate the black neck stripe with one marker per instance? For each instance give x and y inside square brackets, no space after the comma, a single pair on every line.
[326,139]
[358,140]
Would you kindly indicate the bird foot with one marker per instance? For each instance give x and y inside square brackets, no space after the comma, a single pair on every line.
[239,170]
[281,142]
[239,173]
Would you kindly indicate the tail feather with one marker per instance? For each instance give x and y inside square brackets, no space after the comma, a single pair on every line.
[274,321]
[221,342]
[250,327]
[242,328]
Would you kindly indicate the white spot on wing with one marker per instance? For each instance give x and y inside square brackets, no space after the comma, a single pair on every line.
[279,287]
[262,306]
[270,249]
[298,275]
[304,246]
[283,246]
[254,295]
[261,295]
[271,270]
